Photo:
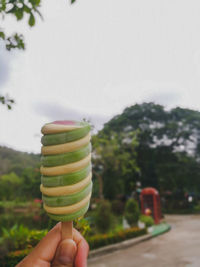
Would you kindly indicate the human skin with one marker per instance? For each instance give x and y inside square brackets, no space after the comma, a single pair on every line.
[52,251]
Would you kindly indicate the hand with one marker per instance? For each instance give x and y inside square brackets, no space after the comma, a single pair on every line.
[51,251]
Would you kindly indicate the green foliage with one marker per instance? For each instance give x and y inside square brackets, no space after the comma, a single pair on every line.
[117,207]
[16,161]
[82,225]
[19,175]
[197,208]
[30,214]
[168,148]
[18,9]
[12,258]
[10,184]
[20,237]
[12,42]
[25,187]
[5,100]
[114,159]
[15,239]
[132,212]
[101,240]
[9,206]
[147,220]
[103,218]
[31,183]
[21,10]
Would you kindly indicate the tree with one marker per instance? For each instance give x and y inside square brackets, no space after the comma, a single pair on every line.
[132,212]
[31,178]
[18,9]
[168,150]
[114,159]
[10,185]
[16,161]
[103,218]
[177,129]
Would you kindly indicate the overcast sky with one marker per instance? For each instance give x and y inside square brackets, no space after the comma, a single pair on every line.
[96,57]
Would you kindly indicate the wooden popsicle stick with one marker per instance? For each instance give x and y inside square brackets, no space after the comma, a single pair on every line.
[67,230]
[67,233]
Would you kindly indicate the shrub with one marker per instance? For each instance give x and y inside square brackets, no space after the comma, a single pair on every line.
[117,207]
[19,237]
[147,220]
[197,208]
[132,212]
[12,258]
[82,225]
[103,216]
[101,240]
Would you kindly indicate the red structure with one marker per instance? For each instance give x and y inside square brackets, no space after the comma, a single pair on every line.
[150,203]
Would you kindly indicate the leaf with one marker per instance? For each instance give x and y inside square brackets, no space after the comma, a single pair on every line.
[35,2]
[2,99]
[31,20]
[19,13]
[15,226]
[38,12]
[2,35]
[73,1]
[5,231]
[27,9]
[3,5]
[12,10]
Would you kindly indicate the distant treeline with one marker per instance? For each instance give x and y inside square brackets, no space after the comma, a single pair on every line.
[146,144]
[16,161]
[152,145]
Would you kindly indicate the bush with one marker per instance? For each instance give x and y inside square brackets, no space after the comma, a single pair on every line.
[117,207]
[30,216]
[147,220]
[197,208]
[103,216]
[12,258]
[83,226]
[101,240]
[19,237]
[132,212]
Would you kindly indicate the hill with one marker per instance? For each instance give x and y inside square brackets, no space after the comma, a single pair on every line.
[15,161]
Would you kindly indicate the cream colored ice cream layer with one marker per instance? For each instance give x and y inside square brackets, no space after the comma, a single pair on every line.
[63,169]
[68,209]
[66,190]
[52,128]
[67,147]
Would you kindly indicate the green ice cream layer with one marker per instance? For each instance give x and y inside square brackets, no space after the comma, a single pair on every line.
[65,158]
[70,217]
[66,179]
[65,137]
[67,200]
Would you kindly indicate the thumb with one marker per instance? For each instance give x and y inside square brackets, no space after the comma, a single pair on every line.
[65,254]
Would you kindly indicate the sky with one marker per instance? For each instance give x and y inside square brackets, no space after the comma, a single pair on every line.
[96,57]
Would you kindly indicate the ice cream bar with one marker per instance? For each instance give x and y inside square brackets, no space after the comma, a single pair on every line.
[66,175]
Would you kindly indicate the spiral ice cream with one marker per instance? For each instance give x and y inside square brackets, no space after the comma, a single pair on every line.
[66,169]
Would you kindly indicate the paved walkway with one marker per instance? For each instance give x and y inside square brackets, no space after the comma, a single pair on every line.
[178,248]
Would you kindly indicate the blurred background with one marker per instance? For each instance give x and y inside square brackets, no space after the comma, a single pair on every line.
[130,68]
